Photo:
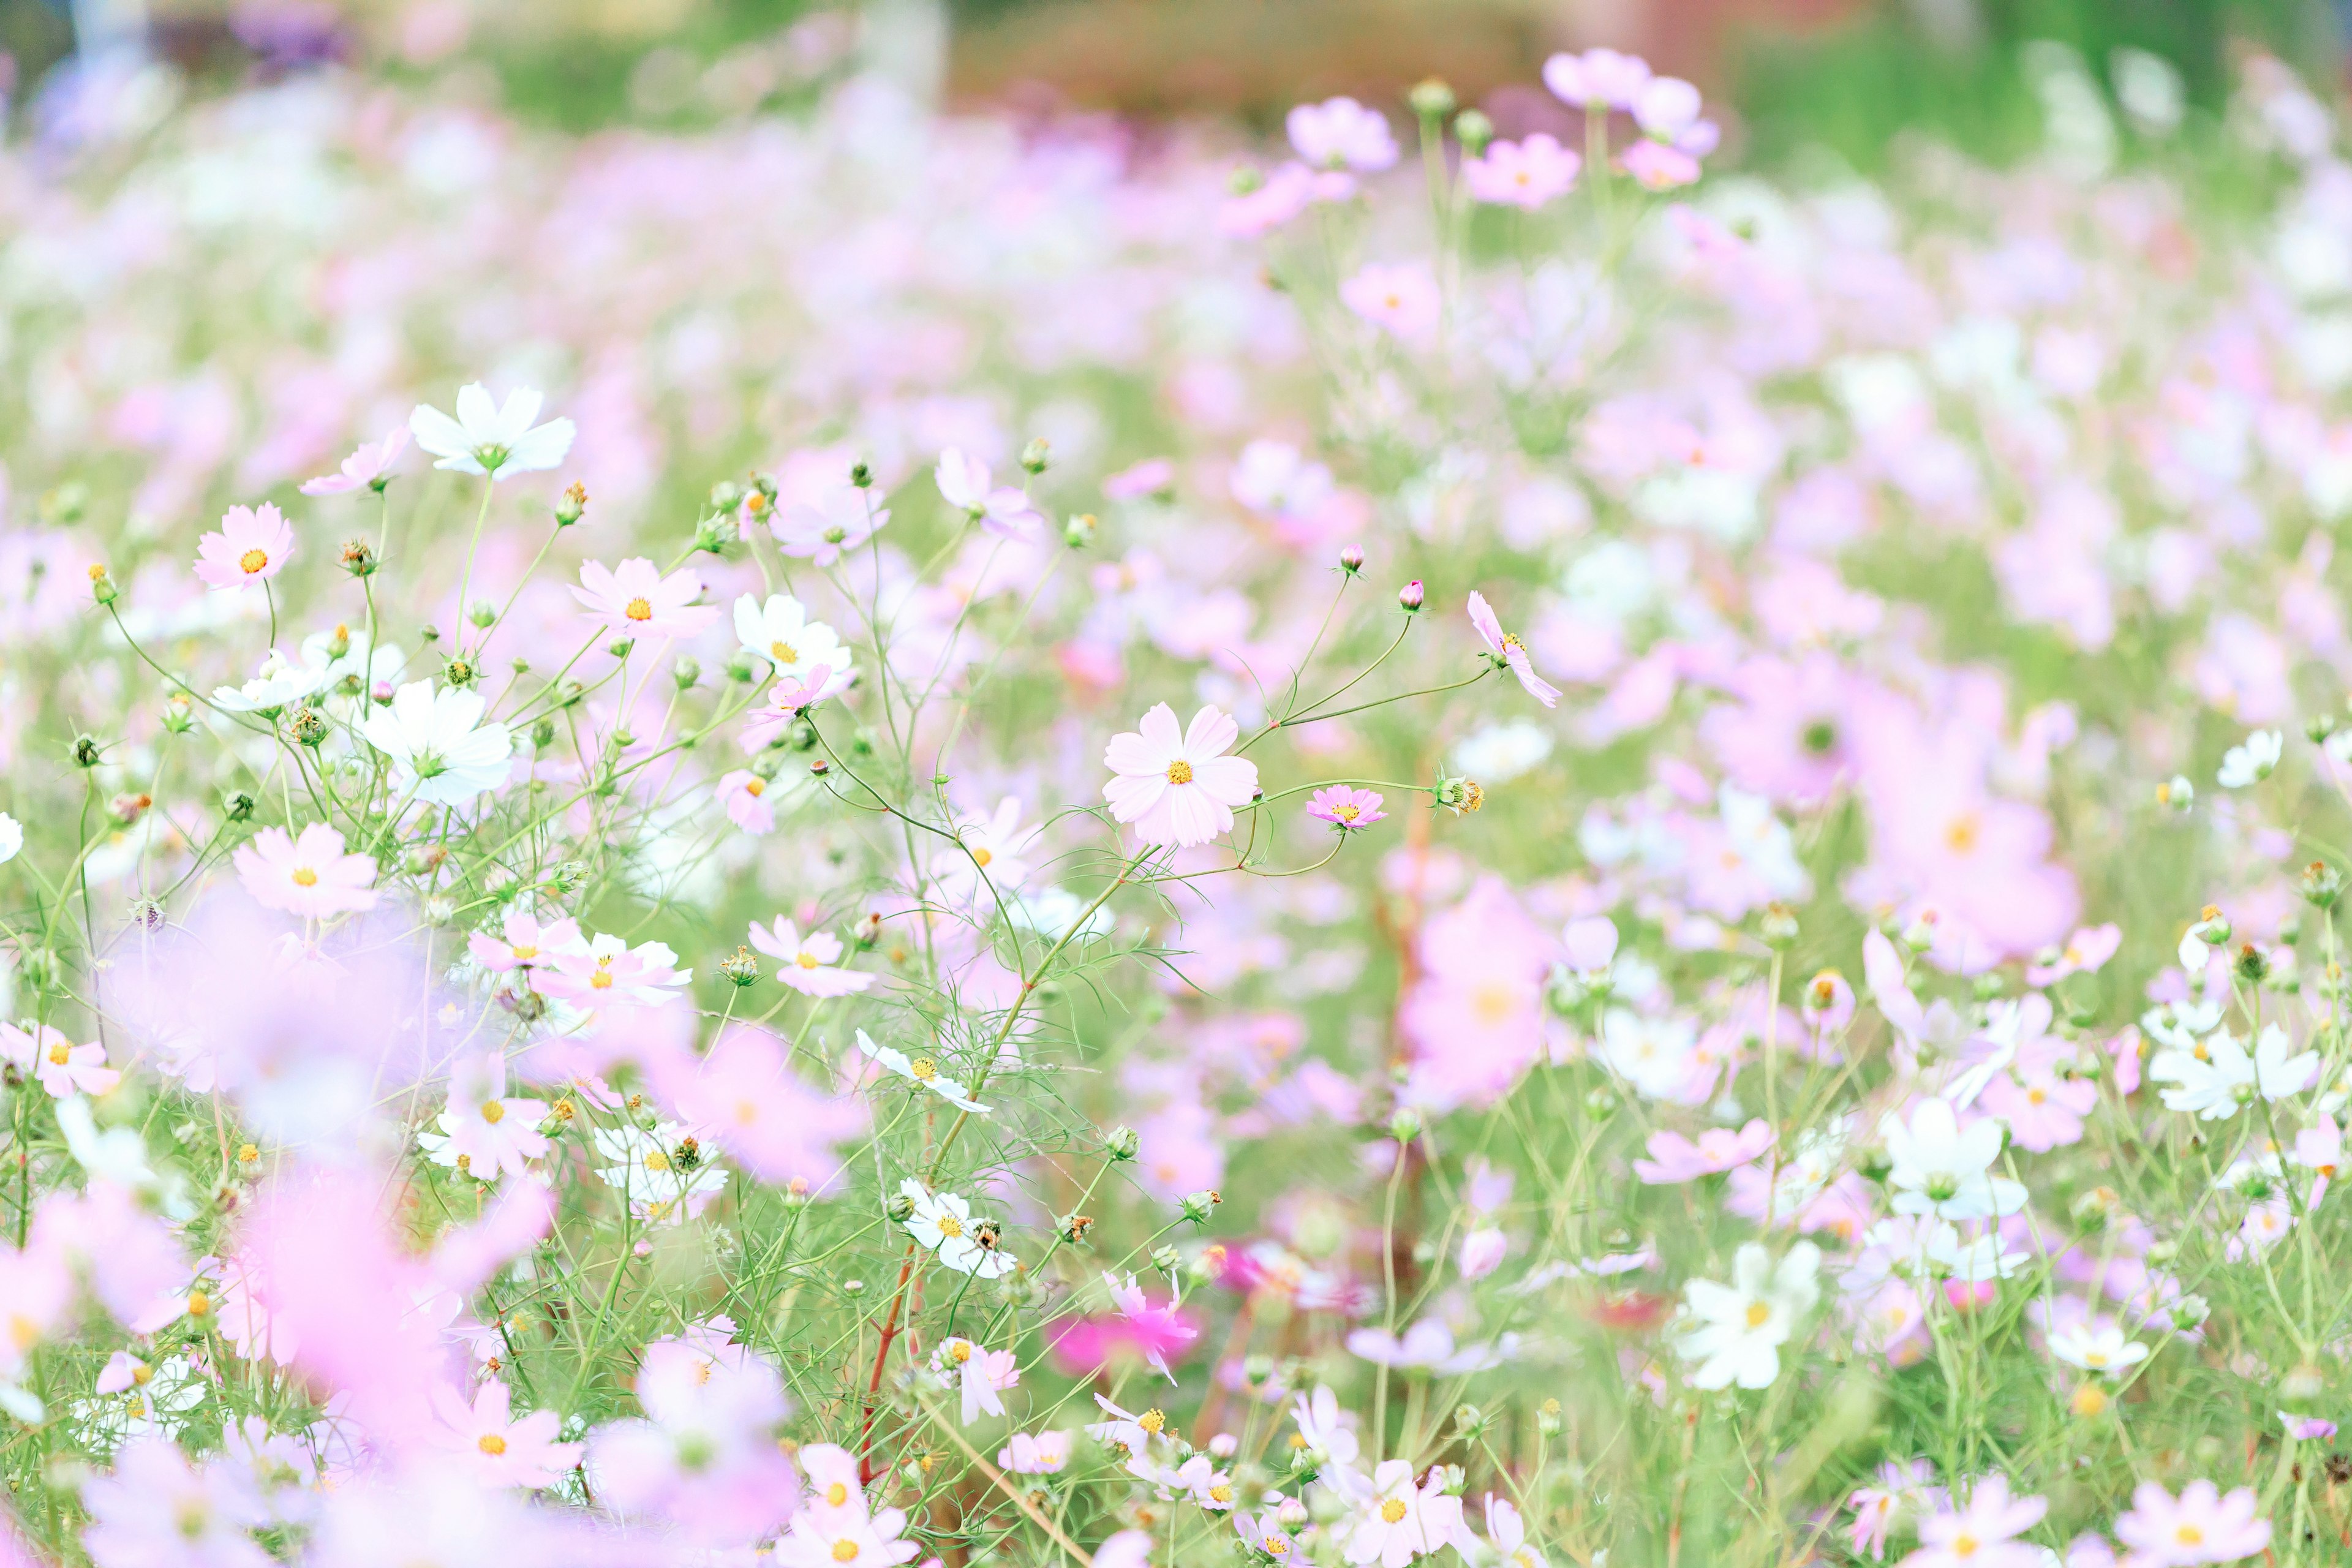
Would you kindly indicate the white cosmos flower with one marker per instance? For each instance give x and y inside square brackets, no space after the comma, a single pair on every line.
[278,684]
[1740,1327]
[12,838]
[2251,763]
[781,632]
[2097,1347]
[1651,1054]
[1971,1262]
[943,1222]
[1943,1169]
[2217,1077]
[437,740]
[490,438]
[923,1070]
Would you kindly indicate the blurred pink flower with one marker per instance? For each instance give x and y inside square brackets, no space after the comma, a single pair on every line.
[741,795]
[369,465]
[1341,132]
[1676,1159]
[499,1448]
[310,876]
[745,1095]
[1402,299]
[2200,1526]
[810,964]
[1526,173]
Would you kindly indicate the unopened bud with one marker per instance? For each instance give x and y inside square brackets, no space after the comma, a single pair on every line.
[1034,455]
[1778,925]
[1121,1142]
[619,648]
[236,805]
[1404,1124]
[2319,729]
[87,751]
[542,734]
[1431,100]
[2322,884]
[1411,595]
[1547,1418]
[1474,130]
[1197,1205]
[1920,934]
[1351,559]
[2177,792]
[710,535]
[686,671]
[868,930]
[1167,1259]
[102,587]
[861,475]
[307,725]
[572,505]
[1079,532]
[726,496]
[900,1208]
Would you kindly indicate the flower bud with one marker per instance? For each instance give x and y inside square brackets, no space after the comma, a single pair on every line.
[726,496]
[572,505]
[1206,1265]
[1431,99]
[2319,729]
[1410,596]
[358,558]
[1778,925]
[1121,1142]
[236,805]
[686,671]
[1547,1418]
[1167,1259]
[102,587]
[1601,1102]
[2189,1311]
[1404,1124]
[87,751]
[542,734]
[2303,1386]
[147,915]
[862,475]
[1074,1227]
[1197,1205]
[900,1208]
[1460,795]
[307,725]
[710,535]
[868,930]
[1079,532]
[1474,130]
[1245,180]
[1920,934]
[2322,884]
[2212,926]
[1351,559]
[741,968]
[461,672]
[1450,1479]
[619,648]
[179,713]
[1034,455]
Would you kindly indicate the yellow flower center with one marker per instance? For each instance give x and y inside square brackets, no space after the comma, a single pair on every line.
[199,1304]
[490,1443]
[923,1068]
[980,856]
[656,1160]
[143,1374]
[755,786]
[1180,771]
[2188,1535]
[843,1549]
[2036,1095]
[1275,1546]
[959,1352]
[2094,1358]
[1347,812]
[525,952]
[1220,1494]
[1153,1421]
[1758,1314]
[305,878]
[249,1153]
[950,1226]
[1964,1545]
[638,610]
[1393,1511]
[493,1113]
[61,1054]
[836,1494]
[1960,836]
[783,652]
[253,561]
[807,961]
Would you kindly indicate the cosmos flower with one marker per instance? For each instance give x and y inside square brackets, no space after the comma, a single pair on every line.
[942,1222]
[369,467]
[607,971]
[496,440]
[781,632]
[502,1448]
[1341,133]
[1001,509]
[2200,1526]
[922,1071]
[633,599]
[443,752]
[1402,299]
[839,518]
[1738,1328]
[1345,807]
[310,876]
[1178,788]
[810,964]
[1526,175]
[1509,651]
[485,1132]
[250,546]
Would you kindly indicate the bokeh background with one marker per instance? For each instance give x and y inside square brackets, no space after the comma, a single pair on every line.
[1801,77]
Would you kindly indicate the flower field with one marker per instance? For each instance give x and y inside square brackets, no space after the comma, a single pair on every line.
[872,837]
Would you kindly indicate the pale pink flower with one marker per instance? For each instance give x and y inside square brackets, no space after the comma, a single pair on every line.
[1522,173]
[607,970]
[529,943]
[810,964]
[2199,1526]
[64,1067]
[369,467]
[492,1444]
[1660,167]
[1047,1454]
[1402,299]
[635,599]
[1178,788]
[155,1509]
[1483,1251]
[1675,1159]
[2319,1148]
[742,795]
[2307,1428]
[310,876]
[251,546]
[1597,79]
[2085,953]
[788,699]
[980,1374]
[1341,133]
[1981,1532]
[839,518]
[1001,510]
[483,1133]
[1509,651]
[781,1129]
[1345,807]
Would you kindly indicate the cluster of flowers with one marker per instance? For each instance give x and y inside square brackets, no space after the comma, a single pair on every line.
[557,1012]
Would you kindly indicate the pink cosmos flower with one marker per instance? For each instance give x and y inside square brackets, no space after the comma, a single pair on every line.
[1591,943]
[529,943]
[1290,190]
[636,600]
[64,1067]
[2200,1526]
[157,1509]
[1981,1532]
[819,531]
[1345,807]
[1873,1507]
[704,1453]
[2085,953]
[1597,79]
[2319,1148]
[1522,173]
[502,1450]
[483,1132]
[981,1374]
[1047,1454]
[1483,1251]
[1675,1159]
[1509,651]
[742,795]
[1001,509]
[788,699]
[1152,475]
[310,876]
[810,964]
[1178,788]
[777,1127]
[2044,1111]
[367,467]
[1402,300]
[250,547]
[1340,133]
[607,970]
[1667,108]
[1660,167]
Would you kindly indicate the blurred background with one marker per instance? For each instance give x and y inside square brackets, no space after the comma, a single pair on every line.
[1845,76]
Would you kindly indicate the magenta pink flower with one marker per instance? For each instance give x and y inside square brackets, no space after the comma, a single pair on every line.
[1675,1159]
[1522,173]
[250,547]
[1509,652]
[310,876]
[493,1445]
[2200,1526]
[635,599]
[369,466]
[1178,788]
[1402,300]
[1345,807]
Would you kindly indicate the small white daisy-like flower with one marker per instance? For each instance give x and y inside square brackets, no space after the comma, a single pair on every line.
[943,1222]
[923,1070]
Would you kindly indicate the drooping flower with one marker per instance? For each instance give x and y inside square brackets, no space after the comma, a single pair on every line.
[809,963]
[980,1374]
[250,546]
[1742,1326]
[1509,651]
[310,876]
[443,752]
[367,468]
[496,440]
[1178,788]
[633,599]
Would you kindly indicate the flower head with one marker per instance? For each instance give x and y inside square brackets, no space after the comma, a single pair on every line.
[635,599]
[1402,301]
[1739,1328]
[496,440]
[1178,788]
[369,467]
[922,1071]
[1341,133]
[2199,1526]
[310,876]
[250,546]
[1509,652]
[1346,808]
[809,963]
[442,749]
[944,1223]
[781,632]
[1526,175]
